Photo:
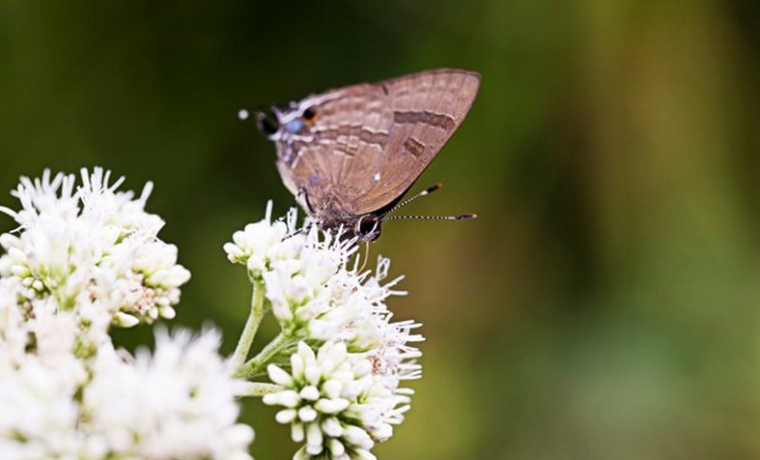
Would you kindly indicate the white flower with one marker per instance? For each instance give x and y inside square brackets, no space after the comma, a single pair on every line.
[177,403]
[294,285]
[347,397]
[54,198]
[263,242]
[394,358]
[341,305]
[82,260]
[49,336]
[294,264]
[91,249]
[307,280]
[13,336]
[335,403]
[39,378]
[352,308]
[39,413]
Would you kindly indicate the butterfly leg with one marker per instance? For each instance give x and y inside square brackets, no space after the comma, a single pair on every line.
[300,230]
[302,192]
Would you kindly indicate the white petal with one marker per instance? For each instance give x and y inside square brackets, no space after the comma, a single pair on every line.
[126,320]
[310,393]
[313,374]
[297,432]
[286,416]
[279,376]
[331,406]
[332,427]
[332,388]
[363,454]
[357,437]
[297,365]
[289,398]
[314,436]
[336,447]
[307,414]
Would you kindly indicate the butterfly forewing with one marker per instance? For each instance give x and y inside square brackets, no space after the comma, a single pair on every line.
[426,109]
[368,143]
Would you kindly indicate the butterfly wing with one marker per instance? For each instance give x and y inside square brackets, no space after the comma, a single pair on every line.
[350,127]
[368,143]
[426,109]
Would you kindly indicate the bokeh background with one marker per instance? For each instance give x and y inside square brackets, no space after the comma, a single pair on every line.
[606,303]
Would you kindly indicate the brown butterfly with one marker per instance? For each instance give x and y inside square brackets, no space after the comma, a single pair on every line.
[349,155]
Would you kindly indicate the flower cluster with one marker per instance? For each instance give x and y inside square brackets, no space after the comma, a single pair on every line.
[335,402]
[82,260]
[177,403]
[91,245]
[341,392]
[87,257]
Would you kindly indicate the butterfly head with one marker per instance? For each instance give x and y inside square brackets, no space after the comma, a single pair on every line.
[367,227]
[286,121]
[268,123]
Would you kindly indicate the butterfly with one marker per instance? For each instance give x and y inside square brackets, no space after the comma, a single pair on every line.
[349,155]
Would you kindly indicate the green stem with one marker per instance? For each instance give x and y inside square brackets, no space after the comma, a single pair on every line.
[251,326]
[258,389]
[255,366]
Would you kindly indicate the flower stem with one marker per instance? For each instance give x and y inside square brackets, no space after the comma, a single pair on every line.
[256,389]
[251,326]
[256,365]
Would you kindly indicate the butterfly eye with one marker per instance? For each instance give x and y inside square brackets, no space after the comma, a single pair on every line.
[309,114]
[368,227]
[267,124]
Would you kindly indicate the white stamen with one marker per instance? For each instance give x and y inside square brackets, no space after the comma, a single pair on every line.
[243,114]
[376,177]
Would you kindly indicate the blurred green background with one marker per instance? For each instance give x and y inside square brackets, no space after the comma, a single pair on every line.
[606,303]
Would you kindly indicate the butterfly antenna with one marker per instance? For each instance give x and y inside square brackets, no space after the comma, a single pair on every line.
[425,192]
[459,217]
